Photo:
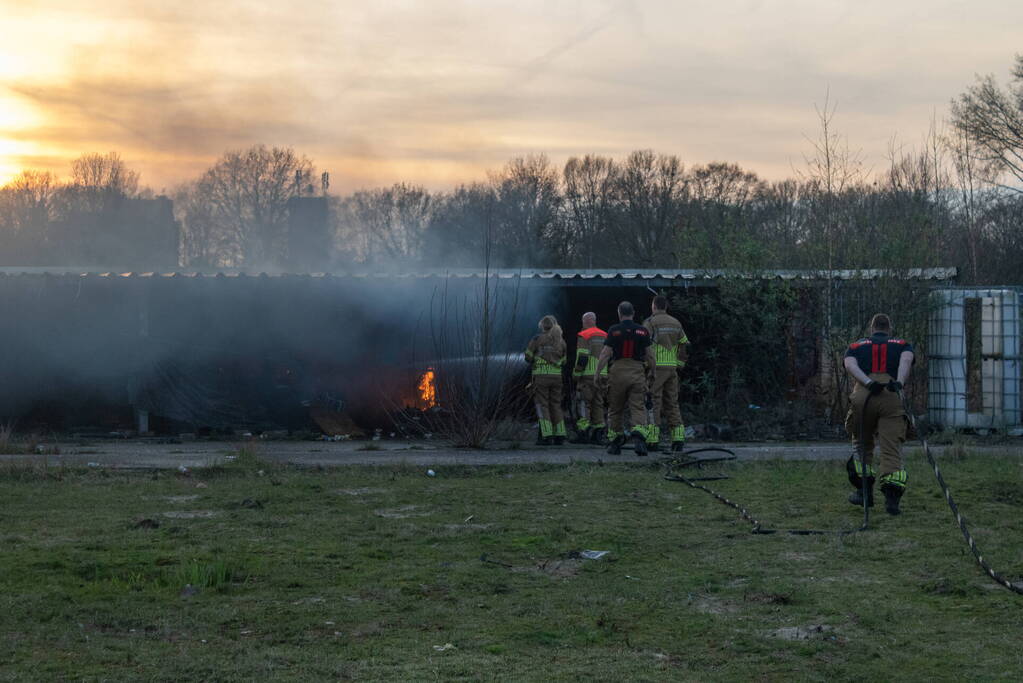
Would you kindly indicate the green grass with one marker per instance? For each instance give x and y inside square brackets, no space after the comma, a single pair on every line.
[362,573]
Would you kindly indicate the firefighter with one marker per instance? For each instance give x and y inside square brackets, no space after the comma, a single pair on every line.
[880,365]
[546,355]
[669,343]
[590,427]
[632,360]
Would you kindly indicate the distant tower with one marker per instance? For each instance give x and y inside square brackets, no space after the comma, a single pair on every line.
[325,182]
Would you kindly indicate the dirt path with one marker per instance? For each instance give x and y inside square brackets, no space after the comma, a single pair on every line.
[150,454]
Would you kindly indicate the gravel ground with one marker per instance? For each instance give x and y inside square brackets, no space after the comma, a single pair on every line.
[147,454]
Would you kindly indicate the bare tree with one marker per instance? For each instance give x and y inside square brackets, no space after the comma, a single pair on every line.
[239,205]
[589,202]
[831,169]
[27,210]
[99,182]
[650,189]
[971,183]
[719,222]
[453,237]
[992,119]
[388,225]
[526,214]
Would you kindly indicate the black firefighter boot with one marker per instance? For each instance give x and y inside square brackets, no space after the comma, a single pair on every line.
[856,497]
[582,435]
[615,447]
[640,441]
[892,495]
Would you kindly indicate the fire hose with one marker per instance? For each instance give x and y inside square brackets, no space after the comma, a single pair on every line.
[758,527]
[1016,587]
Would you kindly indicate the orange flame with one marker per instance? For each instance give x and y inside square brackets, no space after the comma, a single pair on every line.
[428,389]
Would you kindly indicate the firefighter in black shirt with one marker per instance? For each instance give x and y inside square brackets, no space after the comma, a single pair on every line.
[629,345]
[880,365]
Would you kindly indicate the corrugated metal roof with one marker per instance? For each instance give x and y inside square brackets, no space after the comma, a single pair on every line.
[644,275]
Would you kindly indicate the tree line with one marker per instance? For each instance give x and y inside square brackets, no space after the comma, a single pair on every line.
[956,200]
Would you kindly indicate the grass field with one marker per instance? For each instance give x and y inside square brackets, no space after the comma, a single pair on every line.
[253,571]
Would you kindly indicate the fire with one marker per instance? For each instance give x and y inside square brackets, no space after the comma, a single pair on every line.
[428,389]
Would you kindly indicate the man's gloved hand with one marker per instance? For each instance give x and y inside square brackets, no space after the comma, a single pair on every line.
[875,388]
[649,403]
[894,386]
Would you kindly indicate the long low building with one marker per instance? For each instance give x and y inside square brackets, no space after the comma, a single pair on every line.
[182,351]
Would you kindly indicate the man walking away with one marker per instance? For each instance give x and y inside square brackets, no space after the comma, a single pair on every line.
[877,363]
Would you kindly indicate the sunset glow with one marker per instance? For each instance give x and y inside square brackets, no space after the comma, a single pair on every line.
[438,92]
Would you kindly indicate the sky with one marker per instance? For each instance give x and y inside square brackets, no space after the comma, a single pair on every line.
[436,92]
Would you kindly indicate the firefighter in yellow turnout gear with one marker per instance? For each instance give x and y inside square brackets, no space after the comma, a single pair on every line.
[589,424]
[628,345]
[546,354]
[880,365]
[669,343]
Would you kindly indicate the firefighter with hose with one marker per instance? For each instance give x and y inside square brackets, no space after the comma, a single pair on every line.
[589,398]
[546,355]
[880,366]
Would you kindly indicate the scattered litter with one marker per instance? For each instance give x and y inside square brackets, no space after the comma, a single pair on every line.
[260,473]
[200,485]
[431,473]
[593,554]
[328,623]
[192,514]
[92,464]
[753,406]
[468,519]
[183,469]
[634,578]
[812,632]
[245,632]
[229,458]
[445,646]
[486,560]
[335,437]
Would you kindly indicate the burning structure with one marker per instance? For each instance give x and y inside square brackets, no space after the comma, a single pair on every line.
[184,352]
